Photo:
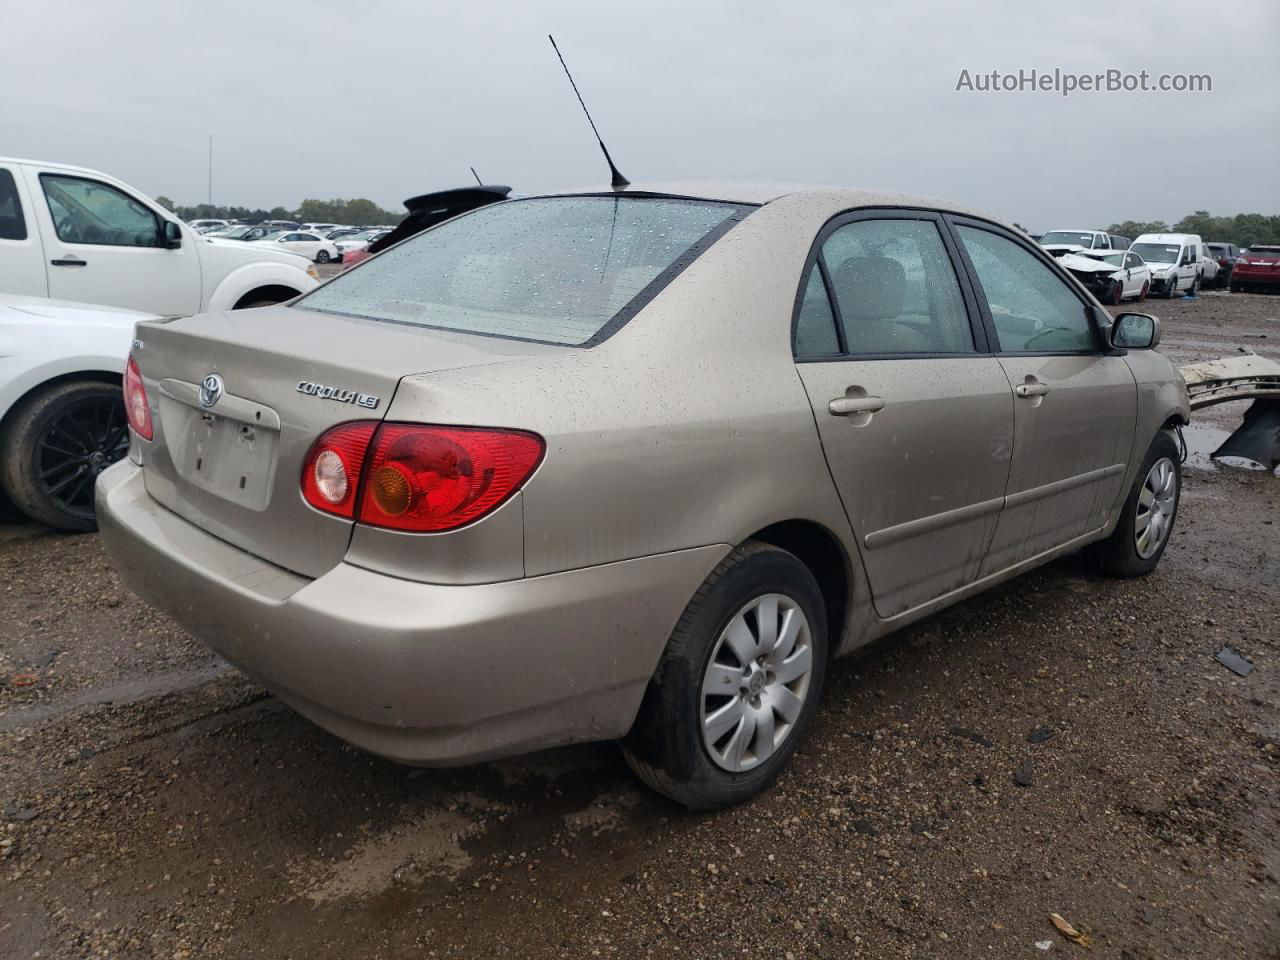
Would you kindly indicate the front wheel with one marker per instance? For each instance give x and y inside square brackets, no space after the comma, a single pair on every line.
[1146,521]
[737,686]
[1116,295]
[1146,288]
[1195,286]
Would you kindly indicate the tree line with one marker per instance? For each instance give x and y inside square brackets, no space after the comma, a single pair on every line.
[356,211]
[1241,229]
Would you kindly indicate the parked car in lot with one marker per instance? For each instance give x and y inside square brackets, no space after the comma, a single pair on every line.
[1226,254]
[1208,267]
[62,419]
[201,226]
[1058,242]
[1258,268]
[1174,259]
[244,233]
[633,464]
[74,234]
[307,245]
[357,241]
[1110,275]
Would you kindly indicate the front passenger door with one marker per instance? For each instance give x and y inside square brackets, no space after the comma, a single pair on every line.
[1075,402]
[914,416]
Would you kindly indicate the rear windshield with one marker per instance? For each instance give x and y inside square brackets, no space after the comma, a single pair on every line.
[1068,237]
[1268,252]
[550,269]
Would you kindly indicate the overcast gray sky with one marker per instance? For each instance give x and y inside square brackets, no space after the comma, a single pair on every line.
[390,98]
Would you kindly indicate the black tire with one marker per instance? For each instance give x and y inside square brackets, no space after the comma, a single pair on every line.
[1118,555]
[1195,286]
[665,746]
[1116,294]
[1172,290]
[1234,287]
[322,256]
[55,444]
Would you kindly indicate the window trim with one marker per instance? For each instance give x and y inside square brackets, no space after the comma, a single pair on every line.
[981,346]
[954,221]
[46,175]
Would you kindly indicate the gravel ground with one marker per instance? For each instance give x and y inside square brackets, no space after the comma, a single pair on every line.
[153,803]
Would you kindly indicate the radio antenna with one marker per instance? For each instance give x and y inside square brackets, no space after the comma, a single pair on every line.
[477,176]
[618,179]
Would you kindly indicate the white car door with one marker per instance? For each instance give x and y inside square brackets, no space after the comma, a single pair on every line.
[1139,275]
[22,267]
[303,244]
[104,245]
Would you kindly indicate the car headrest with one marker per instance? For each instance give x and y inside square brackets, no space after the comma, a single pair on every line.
[874,288]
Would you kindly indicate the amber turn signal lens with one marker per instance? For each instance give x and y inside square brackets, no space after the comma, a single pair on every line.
[392,490]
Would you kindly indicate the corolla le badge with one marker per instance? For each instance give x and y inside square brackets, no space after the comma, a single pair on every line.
[324,392]
[211,388]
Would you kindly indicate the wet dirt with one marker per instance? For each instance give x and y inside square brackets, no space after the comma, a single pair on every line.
[153,803]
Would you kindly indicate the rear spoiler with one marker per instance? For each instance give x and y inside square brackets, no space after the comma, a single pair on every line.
[1250,376]
[427,210]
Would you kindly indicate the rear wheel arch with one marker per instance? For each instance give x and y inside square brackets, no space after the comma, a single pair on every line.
[86,376]
[822,552]
[264,295]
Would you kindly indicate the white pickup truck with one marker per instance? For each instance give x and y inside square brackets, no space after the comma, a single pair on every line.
[74,234]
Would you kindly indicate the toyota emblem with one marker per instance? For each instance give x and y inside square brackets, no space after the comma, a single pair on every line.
[210,390]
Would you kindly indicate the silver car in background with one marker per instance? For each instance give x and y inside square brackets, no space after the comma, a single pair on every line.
[633,465]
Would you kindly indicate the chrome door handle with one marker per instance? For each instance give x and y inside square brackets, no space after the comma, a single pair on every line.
[852,406]
[69,262]
[1026,390]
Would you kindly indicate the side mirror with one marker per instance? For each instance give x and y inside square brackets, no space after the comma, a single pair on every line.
[172,235]
[1135,331]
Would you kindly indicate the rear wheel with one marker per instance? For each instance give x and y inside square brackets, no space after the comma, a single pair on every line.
[737,686]
[55,446]
[1146,522]
[1234,288]
[322,256]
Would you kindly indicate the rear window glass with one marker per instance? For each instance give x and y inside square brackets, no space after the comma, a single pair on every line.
[550,269]
[1266,251]
[12,226]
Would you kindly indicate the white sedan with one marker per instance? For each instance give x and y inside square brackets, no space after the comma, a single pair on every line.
[307,245]
[62,418]
[1110,275]
[359,241]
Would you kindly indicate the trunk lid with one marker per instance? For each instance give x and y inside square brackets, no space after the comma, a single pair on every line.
[278,377]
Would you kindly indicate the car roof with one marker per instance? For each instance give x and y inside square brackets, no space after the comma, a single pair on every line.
[1166,237]
[729,191]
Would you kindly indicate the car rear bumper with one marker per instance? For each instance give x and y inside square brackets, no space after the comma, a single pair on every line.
[421,673]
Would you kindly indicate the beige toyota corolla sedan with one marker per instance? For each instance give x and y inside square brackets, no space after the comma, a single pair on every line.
[633,465]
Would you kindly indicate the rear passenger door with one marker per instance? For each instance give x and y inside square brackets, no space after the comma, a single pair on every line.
[915,417]
[21,254]
[1075,399]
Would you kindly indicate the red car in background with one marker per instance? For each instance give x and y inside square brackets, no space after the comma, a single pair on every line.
[1257,268]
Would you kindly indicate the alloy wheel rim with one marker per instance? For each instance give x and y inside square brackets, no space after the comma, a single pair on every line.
[756,682]
[1157,501]
[79,443]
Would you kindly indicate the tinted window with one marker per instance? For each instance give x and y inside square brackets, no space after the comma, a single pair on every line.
[895,289]
[12,224]
[553,269]
[1131,261]
[816,324]
[87,211]
[1032,309]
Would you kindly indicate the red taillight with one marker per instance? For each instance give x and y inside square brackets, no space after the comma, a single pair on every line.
[331,473]
[438,478]
[136,407]
[418,478]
